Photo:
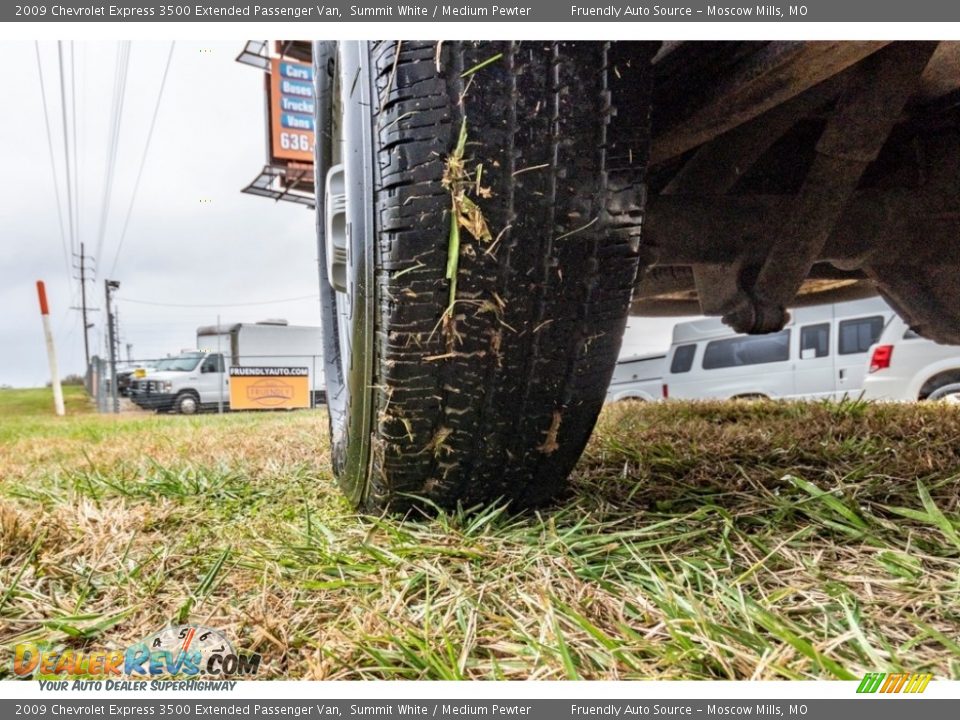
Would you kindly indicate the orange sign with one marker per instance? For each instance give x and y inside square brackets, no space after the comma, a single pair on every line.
[292,102]
[269,388]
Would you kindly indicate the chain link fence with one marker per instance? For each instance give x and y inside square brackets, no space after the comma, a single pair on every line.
[196,382]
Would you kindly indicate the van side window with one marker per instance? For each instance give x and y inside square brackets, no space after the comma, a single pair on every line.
[747,350]
[856,336]
[683,359]
[816,338]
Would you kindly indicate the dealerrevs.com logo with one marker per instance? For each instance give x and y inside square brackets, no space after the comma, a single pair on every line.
[183,657]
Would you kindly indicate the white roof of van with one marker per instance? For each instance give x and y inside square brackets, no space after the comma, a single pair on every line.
[638,358]
[712,327]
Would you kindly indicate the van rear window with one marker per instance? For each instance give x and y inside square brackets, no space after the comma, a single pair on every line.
[856,336]
[747,350]
[683,359]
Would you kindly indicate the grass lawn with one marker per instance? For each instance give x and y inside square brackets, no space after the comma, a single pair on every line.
[739,540]
[21,403]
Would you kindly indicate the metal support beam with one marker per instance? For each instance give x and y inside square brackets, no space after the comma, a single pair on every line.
[897,226]
[717,166]
[776,74]
[926,297]
[876,93]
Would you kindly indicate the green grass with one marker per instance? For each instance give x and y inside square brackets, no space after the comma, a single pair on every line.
[739,540]
[38,402]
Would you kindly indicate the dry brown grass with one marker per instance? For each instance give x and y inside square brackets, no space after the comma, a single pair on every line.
[698,541]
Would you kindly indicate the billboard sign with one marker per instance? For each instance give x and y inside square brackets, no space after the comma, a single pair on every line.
[292,104]
[269,388]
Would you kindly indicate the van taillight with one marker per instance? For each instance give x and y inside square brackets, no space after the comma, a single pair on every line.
[666,391]
[881,357]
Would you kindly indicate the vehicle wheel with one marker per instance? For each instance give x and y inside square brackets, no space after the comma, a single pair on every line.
[947,393]
[186,404]
[939,385]
[498,397]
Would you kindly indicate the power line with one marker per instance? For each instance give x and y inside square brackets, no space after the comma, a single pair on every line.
[119,90]
[113,135]
[53,164]
[219,305]
[66,146]
[76,163]
[143,160]
[58,328]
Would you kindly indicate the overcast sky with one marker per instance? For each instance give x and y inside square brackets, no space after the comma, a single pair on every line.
[193,238]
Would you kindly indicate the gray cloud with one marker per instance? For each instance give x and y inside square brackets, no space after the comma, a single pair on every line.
[208,143]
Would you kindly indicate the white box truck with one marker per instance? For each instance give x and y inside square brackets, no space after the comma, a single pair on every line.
[199,379]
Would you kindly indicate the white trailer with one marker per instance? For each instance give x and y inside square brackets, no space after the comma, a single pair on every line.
[271,343]
[200,379]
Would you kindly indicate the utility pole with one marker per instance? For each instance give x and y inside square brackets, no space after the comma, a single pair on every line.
[109,287]
[220,364]
[116,331]
[83,304]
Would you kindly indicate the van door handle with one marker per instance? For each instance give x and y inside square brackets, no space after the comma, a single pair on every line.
[843,374]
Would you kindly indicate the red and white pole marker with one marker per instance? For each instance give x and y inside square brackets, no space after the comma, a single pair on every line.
[51,353]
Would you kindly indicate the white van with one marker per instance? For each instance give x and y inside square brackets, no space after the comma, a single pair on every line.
[905,366]
[639,377]
[821,353]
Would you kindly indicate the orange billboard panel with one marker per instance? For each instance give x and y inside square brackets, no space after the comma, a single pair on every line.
[292,103]
[269,388]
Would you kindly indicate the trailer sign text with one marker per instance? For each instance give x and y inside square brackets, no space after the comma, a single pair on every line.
[269,388]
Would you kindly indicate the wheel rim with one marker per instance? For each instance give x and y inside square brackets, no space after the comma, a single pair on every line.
[188,406]
[341,271]
[345,226]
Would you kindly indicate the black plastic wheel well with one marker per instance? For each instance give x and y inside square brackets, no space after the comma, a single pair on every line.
[945,377]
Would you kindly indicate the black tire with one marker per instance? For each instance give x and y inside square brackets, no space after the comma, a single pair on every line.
[186,403]
[949,392]
[500,402]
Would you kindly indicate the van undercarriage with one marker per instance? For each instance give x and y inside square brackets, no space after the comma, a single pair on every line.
[831,170]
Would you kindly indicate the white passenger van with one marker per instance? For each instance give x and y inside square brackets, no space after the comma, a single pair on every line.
[821,353]
[905,366]
[638,377]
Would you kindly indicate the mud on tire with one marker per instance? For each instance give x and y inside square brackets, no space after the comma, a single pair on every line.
[500,400]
